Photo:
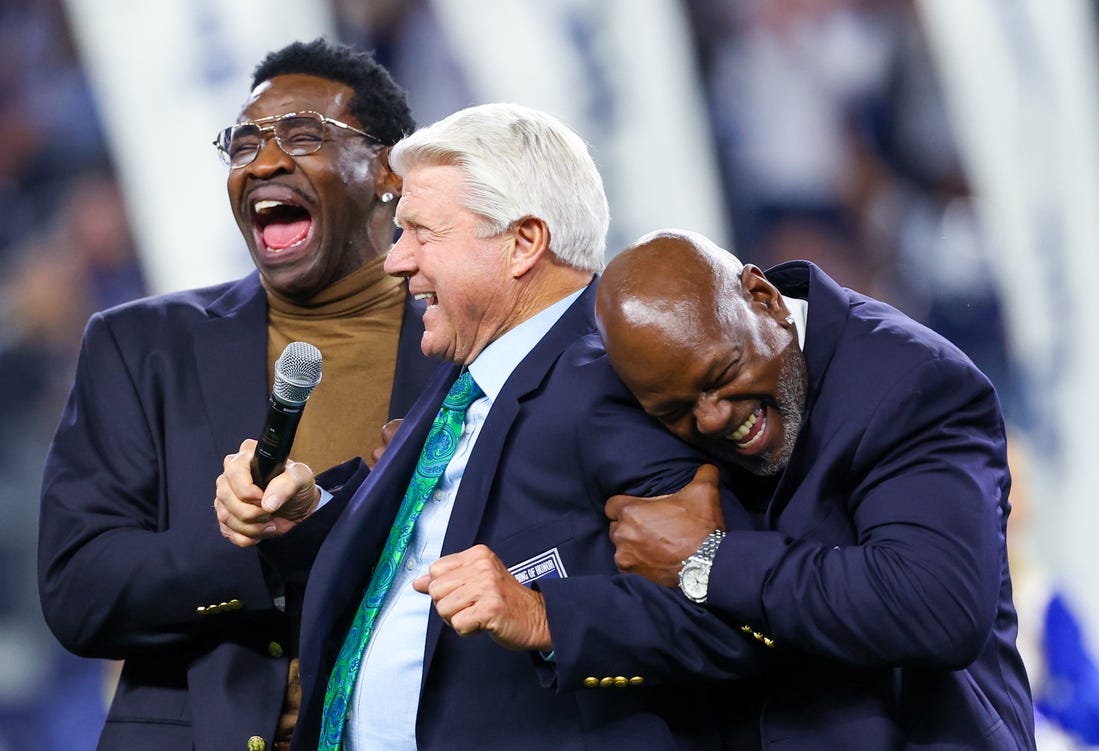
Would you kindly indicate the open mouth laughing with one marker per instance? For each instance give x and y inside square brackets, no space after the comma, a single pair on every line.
[280,223]
[751,431]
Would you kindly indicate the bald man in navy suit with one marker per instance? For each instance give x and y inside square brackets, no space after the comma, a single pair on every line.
[871,452]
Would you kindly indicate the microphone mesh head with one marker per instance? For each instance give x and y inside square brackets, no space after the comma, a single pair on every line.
[297,372]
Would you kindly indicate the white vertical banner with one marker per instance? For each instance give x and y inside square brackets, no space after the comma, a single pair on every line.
[621,72]
[1020,77]
[167,75]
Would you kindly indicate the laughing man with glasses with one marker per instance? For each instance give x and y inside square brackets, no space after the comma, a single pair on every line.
[132,565]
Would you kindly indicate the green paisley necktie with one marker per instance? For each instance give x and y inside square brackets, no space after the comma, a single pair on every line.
[437,453]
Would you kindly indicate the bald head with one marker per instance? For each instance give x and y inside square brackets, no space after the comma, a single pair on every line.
[706,345]
[663,282]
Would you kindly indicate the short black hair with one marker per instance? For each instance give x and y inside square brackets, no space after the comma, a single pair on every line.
[379,103]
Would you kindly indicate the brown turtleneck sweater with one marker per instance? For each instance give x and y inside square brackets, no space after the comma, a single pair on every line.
[356,324]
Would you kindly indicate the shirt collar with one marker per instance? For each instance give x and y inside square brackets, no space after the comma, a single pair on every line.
[494,365]
[799,309]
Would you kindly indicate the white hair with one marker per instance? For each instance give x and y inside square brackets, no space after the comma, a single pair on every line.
[518,162]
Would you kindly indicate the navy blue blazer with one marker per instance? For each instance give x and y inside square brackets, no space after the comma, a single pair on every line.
[884,580]
[131,563]
[562,437]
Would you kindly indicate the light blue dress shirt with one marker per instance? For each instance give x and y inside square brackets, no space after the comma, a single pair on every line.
[383,707]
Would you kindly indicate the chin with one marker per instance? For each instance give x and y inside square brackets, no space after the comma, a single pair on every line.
[764,464]
[434,351]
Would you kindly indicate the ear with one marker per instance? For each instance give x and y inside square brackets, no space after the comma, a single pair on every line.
[761,294]
[386,180]
[531,243]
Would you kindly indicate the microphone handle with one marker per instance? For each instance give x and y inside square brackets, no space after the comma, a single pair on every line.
[273,447]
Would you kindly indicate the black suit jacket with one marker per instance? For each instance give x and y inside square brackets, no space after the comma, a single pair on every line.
[883,579]
[131,563]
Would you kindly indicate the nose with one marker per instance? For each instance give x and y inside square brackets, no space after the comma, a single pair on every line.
[400,260]
[711,415]
[270,159]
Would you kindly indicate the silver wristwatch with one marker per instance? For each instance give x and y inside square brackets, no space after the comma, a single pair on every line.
[694,577]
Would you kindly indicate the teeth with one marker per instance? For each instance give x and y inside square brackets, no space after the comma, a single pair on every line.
[261,206]
[424,295]
[744,429]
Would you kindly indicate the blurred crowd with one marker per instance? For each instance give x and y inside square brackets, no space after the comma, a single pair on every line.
[65,252]
[836,147]
[833,141]
[832,137]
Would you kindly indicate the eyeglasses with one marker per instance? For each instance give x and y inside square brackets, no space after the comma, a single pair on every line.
[296,133]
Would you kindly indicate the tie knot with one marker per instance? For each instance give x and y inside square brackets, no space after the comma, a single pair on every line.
[464,392]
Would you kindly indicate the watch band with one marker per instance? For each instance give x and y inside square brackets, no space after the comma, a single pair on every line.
[694,576]
[707,551]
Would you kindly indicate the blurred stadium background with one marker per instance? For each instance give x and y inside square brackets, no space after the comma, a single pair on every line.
[939,154]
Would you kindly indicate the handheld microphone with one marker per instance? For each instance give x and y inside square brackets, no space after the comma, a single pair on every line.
[297,373]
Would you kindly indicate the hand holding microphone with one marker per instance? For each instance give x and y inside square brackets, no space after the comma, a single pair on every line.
[297,373]
[247,510]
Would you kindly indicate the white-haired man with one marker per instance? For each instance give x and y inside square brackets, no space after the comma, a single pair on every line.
[491,615]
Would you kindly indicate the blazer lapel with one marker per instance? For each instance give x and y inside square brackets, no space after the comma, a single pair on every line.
[473,493]
[828,314]
[346,561]
[469,505]
[371,510]
[230,351]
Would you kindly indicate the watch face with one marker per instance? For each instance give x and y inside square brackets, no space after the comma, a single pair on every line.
[693,580]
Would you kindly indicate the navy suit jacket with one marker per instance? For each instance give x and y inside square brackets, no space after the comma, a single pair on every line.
[562,437]
[131,563]
[884,580]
